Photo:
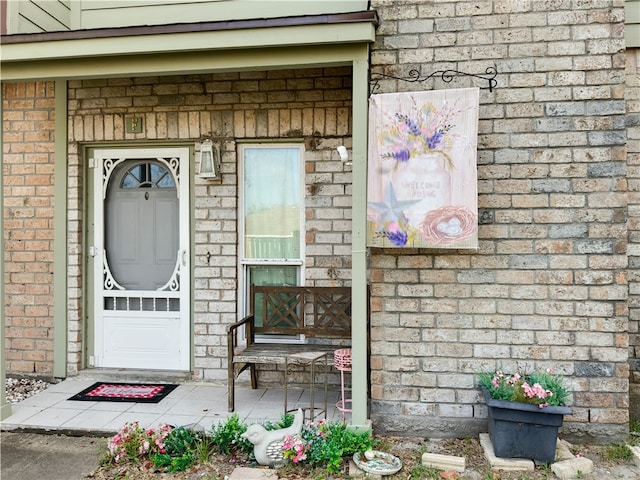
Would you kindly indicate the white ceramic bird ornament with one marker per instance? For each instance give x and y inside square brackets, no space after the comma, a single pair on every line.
[267,444]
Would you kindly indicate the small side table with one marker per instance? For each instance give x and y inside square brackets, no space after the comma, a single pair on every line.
[298,362]
[342,361]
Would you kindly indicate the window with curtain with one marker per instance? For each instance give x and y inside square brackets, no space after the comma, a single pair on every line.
[272,207]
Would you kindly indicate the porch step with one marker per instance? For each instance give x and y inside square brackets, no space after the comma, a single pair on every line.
[138,376]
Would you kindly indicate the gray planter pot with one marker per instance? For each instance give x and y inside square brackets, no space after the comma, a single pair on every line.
[523,430]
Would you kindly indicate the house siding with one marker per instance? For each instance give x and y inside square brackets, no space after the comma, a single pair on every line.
[109,13]
[36,16]
[28,161]
[632,23]
[548,286]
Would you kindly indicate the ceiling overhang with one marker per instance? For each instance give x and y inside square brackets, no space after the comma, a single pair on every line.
[187,48]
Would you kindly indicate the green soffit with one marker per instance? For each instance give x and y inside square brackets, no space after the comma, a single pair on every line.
[189,48]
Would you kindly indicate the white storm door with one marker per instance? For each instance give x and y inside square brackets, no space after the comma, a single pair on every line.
[141,255]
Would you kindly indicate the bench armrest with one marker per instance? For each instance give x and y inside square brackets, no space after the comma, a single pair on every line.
[238,324]
[232,333]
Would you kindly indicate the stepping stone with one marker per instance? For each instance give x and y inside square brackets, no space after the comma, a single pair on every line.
[245,473]
[635,450]
[563,451]
[506,464]
[443,462]
[573,468]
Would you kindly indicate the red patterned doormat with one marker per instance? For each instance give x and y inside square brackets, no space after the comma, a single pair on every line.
[125,392]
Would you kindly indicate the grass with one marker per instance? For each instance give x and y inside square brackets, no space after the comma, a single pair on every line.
[421,472]
[618,451]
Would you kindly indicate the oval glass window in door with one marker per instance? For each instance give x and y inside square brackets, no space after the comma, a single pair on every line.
[141,225]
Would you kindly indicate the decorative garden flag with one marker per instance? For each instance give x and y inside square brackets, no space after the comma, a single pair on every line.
[422,185]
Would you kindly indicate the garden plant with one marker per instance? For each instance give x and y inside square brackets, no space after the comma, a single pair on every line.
[168,449]
[320,453]
[542,388]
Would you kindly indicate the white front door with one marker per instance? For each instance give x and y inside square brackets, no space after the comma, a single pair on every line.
[141,255]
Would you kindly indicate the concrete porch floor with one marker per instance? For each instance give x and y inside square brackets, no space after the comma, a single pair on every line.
[191,403]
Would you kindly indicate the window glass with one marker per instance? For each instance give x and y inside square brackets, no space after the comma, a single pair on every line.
[148,175]
[272,216]
[272,206]
[270,275]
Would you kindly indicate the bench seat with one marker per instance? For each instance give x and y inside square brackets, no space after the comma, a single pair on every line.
[274,353]
[322,315]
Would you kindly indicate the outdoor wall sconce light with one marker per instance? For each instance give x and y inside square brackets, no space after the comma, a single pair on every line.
[344,154]
[209,167]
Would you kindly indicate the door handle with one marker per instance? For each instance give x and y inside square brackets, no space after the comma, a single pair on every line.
[184,258]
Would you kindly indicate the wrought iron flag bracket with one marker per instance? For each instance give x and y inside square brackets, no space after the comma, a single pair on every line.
[446,76]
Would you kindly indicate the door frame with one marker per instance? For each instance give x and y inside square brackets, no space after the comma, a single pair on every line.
[89,198]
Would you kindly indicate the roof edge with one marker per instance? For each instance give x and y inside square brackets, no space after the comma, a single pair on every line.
[368,16]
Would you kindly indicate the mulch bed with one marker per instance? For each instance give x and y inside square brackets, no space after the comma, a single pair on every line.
[408,449]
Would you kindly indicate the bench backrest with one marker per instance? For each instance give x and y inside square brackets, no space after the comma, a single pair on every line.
[311,311]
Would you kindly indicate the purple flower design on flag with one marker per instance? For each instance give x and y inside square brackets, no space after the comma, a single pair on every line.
[422,129]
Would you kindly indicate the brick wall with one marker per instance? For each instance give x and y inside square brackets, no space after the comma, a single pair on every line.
[312,104]
[28,162]
[548,285]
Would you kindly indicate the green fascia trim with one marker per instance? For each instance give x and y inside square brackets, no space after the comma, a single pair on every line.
[184,63]
[88,338]
[359,332]
[5,406]
[192,250]
[221,40]
[60,257]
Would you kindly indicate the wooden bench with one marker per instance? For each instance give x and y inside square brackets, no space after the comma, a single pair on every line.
[314,312]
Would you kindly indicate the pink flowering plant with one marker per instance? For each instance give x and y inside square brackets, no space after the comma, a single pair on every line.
[542,388]
[325,444]
[295,448]
[133,442]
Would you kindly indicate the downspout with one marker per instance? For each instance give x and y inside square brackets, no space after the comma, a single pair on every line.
[60,233]
[5,406]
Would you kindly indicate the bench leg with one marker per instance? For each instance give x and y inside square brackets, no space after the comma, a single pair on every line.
[231,384]
[254,376]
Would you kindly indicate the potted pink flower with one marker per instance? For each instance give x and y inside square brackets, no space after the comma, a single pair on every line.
[525,412]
